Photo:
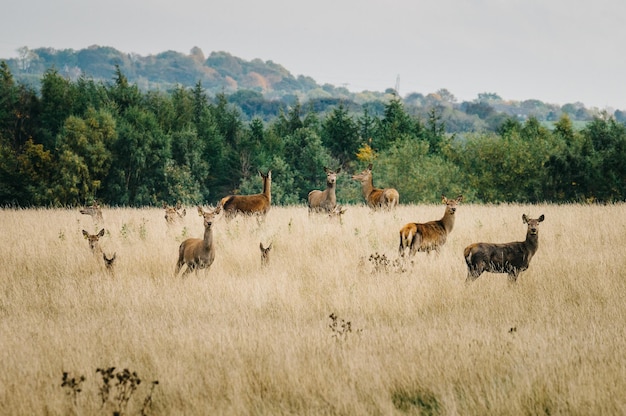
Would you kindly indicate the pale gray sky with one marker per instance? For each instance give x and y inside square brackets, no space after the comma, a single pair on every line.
[556,51]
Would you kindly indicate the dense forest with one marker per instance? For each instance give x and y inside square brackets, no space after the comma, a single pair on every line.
[67,140]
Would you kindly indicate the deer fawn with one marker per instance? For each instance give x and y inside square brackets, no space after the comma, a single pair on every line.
[172,214]
[265,254]
[198,253]
[511,258]
[94,211]
[109,262]
[430,235]
[376,198]
[93,240]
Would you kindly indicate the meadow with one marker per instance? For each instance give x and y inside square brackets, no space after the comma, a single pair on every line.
[333,325]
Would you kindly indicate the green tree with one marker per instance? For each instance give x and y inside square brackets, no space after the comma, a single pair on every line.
[85,156]
[140,156]
[58,97]
[340,134]
[608,139]
[396,123]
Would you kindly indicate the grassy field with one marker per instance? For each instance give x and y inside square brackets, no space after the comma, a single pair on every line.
[240,339]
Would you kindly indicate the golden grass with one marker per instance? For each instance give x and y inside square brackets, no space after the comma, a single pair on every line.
[241,339]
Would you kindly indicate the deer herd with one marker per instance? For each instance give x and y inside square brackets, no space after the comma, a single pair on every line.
[199,253]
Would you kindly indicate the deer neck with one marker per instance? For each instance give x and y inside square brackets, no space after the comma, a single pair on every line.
[267,188]
[367,186]
[208,237]
[532,242]
[448,221]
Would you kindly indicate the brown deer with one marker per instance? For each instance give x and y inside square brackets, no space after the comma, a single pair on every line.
[510,258]
[337,212]
[109,262]
[265,254]
[173,214]
[376,198]
[93,240]
[431,235]
[94,211]
[258,204]
[325,201]
[198,253]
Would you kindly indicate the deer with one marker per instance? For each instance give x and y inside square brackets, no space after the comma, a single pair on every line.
[172,214]
[258,204]
[109,262]
[337,212]
[198,253]
[511,258]
[265,254]
[376,198]
[431,235]
[326,200]
[94,211]
[93,240]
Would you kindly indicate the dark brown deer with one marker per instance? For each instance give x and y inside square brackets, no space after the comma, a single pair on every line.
[109,262]
[173,214]
[198,253]
[265,254]
[258,204]
[376,198]
[93,240]
[94,211]
[511,258]
[431,235]
[326,200]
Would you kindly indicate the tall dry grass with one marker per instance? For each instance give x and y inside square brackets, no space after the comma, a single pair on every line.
[241,339]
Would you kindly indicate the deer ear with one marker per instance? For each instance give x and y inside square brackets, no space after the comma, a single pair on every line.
[444,200]
[371,165]
[101,233]
[85,234]
[459,198]
[261,246]
[525,218]
[541,218]
[200,212]
[338,170]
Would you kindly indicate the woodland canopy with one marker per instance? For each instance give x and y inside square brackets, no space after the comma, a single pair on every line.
[69,141]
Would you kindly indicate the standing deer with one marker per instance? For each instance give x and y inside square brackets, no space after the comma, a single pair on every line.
[511,258]
[94,211]
[93,240]
[376,198]
[198,253]
[265,254]
[431,235]
[258,204]
[325,201]
[172,214]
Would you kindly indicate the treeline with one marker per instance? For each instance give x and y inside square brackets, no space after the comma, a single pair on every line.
[72,141]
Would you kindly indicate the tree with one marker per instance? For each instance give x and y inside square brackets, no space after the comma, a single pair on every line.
[140,156]
[340,134]
[394,124]
[85,156]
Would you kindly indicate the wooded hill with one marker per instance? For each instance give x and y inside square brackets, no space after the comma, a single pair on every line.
[259,87]
[69,141]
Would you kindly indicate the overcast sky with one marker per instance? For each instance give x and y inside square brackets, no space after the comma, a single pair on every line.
[556,51]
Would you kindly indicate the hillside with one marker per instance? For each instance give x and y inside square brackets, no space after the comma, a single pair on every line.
[259,87]
[219,72]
